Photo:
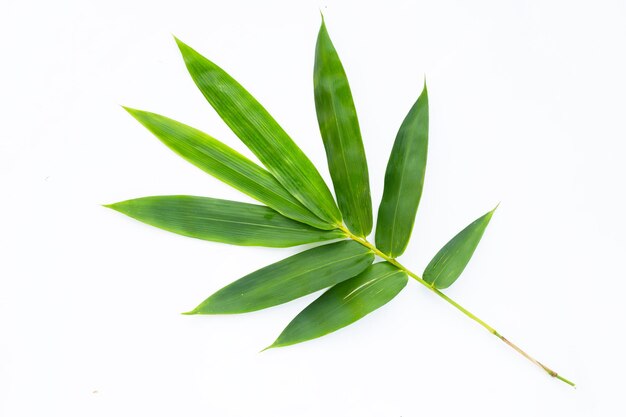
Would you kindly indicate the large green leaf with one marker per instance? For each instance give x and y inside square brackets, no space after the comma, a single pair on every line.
[404,180]
[226,164]
[291,278]
[452,259]
[222,221]
[262,134]
[344,304]
[340,131]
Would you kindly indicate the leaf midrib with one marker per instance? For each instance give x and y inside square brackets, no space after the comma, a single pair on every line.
[259,224]
[297,274]
[369,283]
[397,199]
[343,158]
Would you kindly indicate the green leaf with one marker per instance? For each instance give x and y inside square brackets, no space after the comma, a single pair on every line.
[452,259]
[222,221]
[291,278]
[226,164]
[340,131]
[262,134]
[344,304]
[404,180]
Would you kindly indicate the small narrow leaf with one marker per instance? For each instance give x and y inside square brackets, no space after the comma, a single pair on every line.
[452,259]
[226,164]
[345,303]
[404,180]
[340,131]
[222,221]
[291,278]
[262,134]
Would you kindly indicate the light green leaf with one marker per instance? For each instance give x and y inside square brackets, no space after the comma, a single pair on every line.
[222,221]
[340,131]
[452,259]
[404,180]
[262,134]
[345,303]
[226,164]
[291,278]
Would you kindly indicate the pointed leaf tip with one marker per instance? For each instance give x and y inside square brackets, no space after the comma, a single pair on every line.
[267,348]
[113,206]
[190,313]
[135,113]
[178,41]
[128,109]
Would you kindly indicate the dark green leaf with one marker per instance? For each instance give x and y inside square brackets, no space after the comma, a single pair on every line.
[344,304]
[291,278]
[227,165]
[262,134]
[404,180]
[340,131]
[451,260]
[222,221]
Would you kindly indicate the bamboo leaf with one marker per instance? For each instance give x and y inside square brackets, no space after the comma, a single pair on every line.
[452,259]
[345,303]
[262,134]
[222,221]
[341,134]
[404,180]
[226,164]
[291,278]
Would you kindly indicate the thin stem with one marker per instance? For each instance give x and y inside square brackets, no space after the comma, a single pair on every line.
[459,307]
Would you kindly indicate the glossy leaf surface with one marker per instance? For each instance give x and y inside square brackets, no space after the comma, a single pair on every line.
[222,221]
[452,259]
[291,278]
[226,164]
[340,131]
[404,180]
[262,134]
[345,303]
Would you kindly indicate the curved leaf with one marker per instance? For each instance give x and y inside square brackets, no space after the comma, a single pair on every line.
[404,180]
[452,259]
[262,134]
[340,131]
[291,278]
[226,164]
[222,221]
[344,304]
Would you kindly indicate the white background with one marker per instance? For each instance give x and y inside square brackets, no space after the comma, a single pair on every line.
[527,108]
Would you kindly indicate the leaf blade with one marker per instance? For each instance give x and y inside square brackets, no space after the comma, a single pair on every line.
[214,220]
[344,304]
[341,134]
[448,264]
[262,134]
[291,278]
[227,165]
[404,181]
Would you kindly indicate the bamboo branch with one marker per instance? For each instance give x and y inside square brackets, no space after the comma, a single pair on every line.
[459,307]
